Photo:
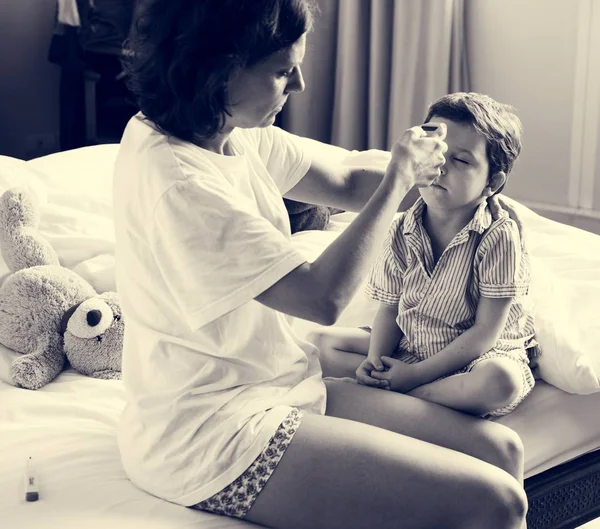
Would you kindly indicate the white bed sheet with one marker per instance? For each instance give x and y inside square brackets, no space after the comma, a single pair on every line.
[68,427]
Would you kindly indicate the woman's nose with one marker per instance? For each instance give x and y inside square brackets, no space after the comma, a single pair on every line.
[296,82]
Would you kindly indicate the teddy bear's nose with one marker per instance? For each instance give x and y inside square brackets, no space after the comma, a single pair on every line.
[93,317]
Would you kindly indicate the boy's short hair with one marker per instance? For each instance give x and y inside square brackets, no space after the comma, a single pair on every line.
[496,122]
[180,54]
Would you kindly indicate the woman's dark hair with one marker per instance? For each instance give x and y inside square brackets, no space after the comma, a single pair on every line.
[180,54]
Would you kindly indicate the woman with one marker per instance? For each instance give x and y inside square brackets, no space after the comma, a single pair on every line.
[227,409]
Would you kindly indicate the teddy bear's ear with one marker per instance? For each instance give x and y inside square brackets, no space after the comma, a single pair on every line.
[20,243]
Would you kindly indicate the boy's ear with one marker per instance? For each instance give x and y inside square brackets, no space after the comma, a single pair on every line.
[496,182]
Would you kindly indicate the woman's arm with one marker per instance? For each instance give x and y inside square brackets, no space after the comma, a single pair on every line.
[319,291]
[333,184]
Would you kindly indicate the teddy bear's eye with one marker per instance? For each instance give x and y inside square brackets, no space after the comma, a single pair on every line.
[117,317]
[99,338]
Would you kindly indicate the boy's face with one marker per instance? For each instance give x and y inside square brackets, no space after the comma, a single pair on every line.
[464,179]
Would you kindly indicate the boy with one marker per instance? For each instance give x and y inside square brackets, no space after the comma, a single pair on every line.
[453,326]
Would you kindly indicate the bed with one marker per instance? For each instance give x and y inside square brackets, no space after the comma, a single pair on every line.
[68,427]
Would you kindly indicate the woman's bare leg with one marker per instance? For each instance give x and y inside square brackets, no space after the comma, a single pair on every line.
[341,474]
[489,441]
[485,440]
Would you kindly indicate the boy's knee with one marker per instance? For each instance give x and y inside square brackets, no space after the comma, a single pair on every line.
[503,383]
[327,356]
[321,340]
[315,337]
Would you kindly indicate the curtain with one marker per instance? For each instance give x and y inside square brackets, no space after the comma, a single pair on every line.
[372,67]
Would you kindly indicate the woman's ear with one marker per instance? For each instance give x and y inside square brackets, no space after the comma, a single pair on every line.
[496,182]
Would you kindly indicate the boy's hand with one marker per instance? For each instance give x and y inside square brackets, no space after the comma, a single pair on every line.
[371,364]
[401,377]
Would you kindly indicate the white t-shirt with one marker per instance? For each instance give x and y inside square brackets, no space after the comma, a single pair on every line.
[210,373]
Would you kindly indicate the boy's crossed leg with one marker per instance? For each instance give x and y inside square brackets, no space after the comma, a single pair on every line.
[491,384]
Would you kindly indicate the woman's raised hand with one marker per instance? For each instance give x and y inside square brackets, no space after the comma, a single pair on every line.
[419,155]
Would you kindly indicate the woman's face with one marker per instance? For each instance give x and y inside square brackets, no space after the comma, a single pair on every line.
[257,94]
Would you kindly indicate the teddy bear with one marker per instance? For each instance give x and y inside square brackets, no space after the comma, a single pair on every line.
[49,313]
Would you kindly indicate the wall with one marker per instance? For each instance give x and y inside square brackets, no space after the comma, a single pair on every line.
[543,57]
[29,84]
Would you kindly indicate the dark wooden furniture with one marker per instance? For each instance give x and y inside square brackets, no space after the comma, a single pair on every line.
[566,496]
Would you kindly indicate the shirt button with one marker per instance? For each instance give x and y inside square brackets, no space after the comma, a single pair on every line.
[422,349]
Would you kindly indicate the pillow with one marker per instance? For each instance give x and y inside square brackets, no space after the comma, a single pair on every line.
[565,291]
[77,220]
[86,171]
[561,334]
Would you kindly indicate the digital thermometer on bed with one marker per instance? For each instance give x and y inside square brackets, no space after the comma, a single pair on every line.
[31,482]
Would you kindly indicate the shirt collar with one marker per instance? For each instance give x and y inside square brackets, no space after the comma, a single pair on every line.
[481,221]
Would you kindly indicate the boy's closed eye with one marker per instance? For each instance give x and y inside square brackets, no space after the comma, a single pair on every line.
[461,161]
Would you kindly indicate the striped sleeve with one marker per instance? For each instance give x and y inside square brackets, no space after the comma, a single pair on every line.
[503,269]
[385,280]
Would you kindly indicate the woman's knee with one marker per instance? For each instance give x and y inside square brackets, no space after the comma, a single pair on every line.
[505,449]
[501,504]
[325,345]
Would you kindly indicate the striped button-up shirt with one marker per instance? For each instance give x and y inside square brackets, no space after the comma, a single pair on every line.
[437,301]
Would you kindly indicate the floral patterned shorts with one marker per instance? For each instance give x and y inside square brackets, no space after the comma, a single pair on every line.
[236,499]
